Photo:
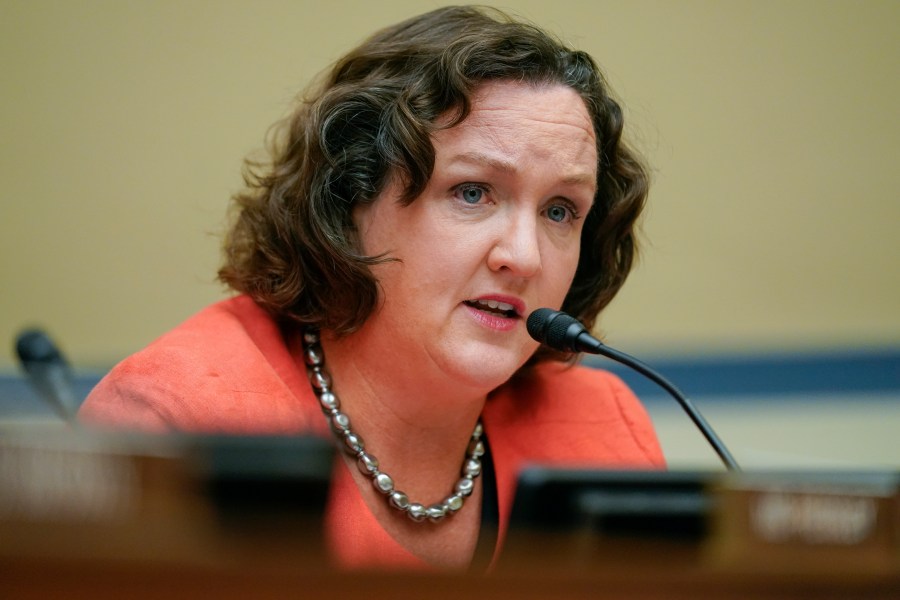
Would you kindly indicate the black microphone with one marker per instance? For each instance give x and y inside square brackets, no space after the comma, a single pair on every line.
[48,371]
[565,333]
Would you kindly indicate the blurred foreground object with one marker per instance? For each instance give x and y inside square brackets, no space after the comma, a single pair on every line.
[89,499]
[87,514]
[832,524]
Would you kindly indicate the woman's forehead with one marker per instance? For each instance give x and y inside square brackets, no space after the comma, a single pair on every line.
[510,122]
[511,103]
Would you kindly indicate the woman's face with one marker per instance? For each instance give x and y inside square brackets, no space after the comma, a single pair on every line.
[494,235]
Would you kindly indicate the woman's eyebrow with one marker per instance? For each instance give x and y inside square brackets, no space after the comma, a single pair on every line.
[505,166]
[480,159]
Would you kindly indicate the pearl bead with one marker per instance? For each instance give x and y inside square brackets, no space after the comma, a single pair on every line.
[320,380]
[465,486]
[416,512]
[340,422]
[436,512]
[329,401]
[368,464]
[313,356]
[399,500]
[453,503]
[476,448]
[354,443]
[383,483]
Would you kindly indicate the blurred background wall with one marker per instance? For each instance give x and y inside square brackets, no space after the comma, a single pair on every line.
[771,128]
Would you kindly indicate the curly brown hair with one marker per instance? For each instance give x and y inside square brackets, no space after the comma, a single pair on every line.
[293,246]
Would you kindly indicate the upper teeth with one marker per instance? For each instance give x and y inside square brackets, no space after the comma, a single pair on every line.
[496,305]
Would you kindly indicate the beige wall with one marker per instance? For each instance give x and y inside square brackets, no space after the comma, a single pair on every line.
[771,126]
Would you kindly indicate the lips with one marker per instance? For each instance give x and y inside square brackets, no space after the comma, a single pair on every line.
[496,307]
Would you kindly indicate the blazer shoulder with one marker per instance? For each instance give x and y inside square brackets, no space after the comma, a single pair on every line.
[221,370]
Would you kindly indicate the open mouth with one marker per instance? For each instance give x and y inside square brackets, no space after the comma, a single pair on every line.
[501,309]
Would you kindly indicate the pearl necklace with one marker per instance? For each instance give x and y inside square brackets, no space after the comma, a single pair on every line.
[353,444]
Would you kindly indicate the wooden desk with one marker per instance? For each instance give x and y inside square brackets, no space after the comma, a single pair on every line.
[174,533]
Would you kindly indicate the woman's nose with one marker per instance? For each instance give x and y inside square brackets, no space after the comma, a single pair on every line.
[517,248]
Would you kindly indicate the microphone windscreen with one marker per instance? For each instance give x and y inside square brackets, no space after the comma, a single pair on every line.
[35,346]
[561,334]
[537,323]
[555,329]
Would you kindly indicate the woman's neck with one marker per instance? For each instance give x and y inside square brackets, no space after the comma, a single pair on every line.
[416,421]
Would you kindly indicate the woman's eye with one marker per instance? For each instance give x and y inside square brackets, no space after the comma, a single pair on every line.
[471,195]
[558,213]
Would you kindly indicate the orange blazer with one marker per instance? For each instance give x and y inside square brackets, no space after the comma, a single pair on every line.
[231,369]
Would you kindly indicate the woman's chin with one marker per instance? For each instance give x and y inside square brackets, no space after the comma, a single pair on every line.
[483,371]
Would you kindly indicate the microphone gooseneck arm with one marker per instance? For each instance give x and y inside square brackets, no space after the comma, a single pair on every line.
[565,333]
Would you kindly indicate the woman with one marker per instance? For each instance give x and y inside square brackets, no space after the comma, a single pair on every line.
[452,174]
